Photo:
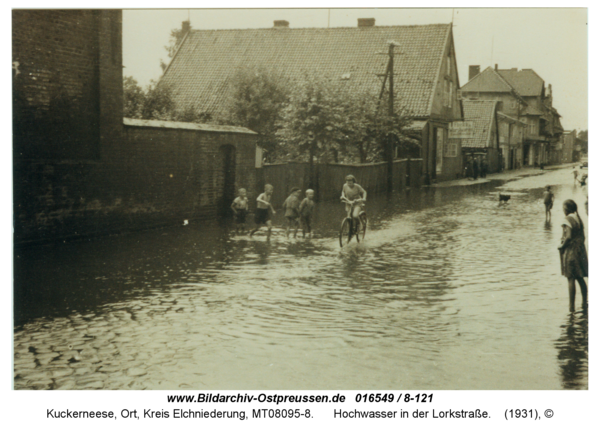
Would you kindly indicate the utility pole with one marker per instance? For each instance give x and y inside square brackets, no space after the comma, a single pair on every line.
[391,113]
[389,74]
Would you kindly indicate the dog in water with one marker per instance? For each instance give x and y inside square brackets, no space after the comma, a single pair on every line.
[504,198]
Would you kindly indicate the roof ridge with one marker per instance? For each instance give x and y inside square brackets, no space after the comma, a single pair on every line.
[194,30]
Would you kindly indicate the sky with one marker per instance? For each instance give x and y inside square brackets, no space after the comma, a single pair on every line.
[553,42]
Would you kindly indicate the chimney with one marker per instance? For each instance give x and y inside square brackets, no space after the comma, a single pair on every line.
[366,22]
[473,71]
[496,67]
[185,27]
[281,24]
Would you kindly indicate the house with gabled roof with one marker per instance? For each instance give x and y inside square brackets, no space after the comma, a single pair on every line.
[478,134]
[522,95]
[425,72]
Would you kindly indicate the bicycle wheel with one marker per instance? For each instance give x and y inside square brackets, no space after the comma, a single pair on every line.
[360,234]
[345,232]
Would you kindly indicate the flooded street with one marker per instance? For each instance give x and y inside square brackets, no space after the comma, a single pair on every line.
[451,290]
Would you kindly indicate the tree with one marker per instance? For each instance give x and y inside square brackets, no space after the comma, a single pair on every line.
[156,102]
[133,97]
[328,122]
[255,101]
[175,39]
[312,120]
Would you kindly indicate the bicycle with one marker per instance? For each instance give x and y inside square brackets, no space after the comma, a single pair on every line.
[358,229]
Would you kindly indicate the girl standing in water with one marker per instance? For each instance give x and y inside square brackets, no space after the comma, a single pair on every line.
[573,256]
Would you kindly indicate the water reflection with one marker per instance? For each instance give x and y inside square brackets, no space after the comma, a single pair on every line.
[445,283]
[572,348]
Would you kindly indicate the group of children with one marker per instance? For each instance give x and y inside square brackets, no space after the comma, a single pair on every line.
[297,213]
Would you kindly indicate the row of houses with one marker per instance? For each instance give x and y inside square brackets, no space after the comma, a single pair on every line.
[524,128]
[504,116]
[82,169]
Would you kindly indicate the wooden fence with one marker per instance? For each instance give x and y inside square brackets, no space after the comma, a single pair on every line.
[328,179]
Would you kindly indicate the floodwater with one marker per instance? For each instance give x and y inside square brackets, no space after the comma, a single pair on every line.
[451,290]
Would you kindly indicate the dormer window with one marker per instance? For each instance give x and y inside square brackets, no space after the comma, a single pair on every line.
[346,76]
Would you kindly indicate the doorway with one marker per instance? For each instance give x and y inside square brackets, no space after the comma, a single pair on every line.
[227,155]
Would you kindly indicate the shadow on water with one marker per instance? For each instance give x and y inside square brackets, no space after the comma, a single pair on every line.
[572,348]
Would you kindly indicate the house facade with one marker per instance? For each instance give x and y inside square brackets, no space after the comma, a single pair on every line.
[425,73]
[522,95]
[511,132]
[567,145]
[478,135]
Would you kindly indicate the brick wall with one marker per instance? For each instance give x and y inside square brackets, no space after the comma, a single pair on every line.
[158,178]
[57,71]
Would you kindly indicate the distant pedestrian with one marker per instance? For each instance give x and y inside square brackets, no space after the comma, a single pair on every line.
[469,169]
[306,209]
[292,211]
[484,168]
[261,216]
[548,202]
[573,256]
[240,210]
[575,174]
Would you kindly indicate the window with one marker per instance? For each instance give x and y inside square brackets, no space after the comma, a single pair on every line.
[451,148]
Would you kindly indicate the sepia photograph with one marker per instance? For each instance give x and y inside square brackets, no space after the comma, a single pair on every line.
[338,199]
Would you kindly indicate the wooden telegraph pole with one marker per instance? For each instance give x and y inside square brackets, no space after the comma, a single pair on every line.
[389,74]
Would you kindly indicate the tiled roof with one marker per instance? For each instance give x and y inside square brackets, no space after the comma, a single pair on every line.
[487,81]
[481,114]
[527,82]
[186,126]
[201,70]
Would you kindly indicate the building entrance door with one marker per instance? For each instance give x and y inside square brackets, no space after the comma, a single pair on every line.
[227,153]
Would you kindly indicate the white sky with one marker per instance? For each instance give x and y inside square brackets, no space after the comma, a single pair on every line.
[553,42]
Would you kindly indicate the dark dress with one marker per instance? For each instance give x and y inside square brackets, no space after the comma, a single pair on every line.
[573,256]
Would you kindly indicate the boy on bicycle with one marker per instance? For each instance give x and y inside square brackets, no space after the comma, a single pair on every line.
[354,196]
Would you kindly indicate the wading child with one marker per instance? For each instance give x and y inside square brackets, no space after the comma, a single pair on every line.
[263,205]
[548,202]
[240,210]
[306,209]
[573,256]
[575,174]
[292,211]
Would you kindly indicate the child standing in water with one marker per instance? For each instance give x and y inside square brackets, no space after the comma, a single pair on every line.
[263,205]
[240,210]
[292,211]
[573,256]
[575,174]
[548,202]
[306,208]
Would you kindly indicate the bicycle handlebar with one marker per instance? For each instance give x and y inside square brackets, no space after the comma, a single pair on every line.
[353,202]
